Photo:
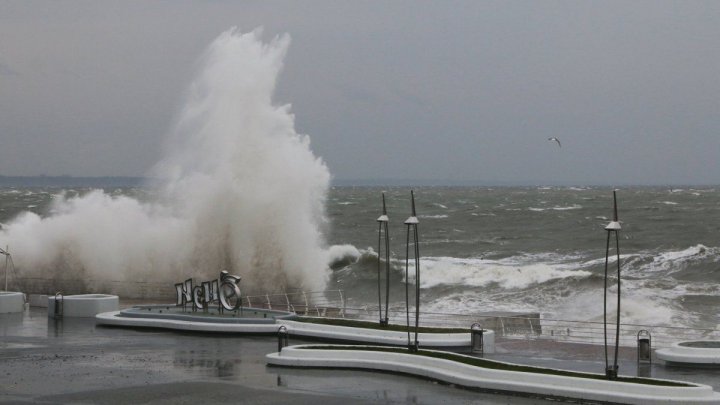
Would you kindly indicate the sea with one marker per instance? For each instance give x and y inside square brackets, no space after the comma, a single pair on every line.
[516,249]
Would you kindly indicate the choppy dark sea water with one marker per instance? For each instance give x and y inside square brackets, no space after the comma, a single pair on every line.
[543,249]
[539,249]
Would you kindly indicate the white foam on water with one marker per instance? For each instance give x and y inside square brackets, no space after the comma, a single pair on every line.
[557,208]
[638,306]
[337,253]
[242,191]
[680,255]
[673,261]
[572,207]
[473,302]
[507,274]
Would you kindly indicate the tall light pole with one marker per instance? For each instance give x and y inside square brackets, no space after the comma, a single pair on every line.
[412,227]
[383,230]
[613,227]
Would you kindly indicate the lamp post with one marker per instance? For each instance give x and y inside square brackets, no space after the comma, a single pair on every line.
[613,227]
[383,230]
[412,228]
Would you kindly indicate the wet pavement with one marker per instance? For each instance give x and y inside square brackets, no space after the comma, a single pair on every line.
[591,358]
[74,361]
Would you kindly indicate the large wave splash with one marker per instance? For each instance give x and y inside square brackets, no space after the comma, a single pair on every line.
[240,191]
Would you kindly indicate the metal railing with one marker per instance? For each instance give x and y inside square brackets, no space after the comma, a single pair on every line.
[538,328]
[126,289]
[332,303]
[329,303]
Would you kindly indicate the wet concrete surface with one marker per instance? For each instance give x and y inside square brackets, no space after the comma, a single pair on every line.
[74,361]
[591,358]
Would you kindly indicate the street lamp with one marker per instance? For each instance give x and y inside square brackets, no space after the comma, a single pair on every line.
[412,227]
[383,230]
[613,227]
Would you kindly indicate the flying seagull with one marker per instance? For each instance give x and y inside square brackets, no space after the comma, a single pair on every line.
[556,140]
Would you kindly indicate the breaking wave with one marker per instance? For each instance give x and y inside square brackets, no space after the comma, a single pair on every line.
[241,191]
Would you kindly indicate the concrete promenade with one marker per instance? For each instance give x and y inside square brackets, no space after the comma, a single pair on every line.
[74,361]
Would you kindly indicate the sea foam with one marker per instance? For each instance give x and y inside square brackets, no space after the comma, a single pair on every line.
[507,274]
[240,191]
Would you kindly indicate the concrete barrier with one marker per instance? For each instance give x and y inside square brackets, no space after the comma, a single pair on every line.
[11,302]
[82,306]
[529,383]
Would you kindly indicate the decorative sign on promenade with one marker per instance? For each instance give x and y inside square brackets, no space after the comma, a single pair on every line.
[224,291]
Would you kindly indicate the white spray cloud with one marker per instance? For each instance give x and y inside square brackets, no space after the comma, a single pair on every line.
[241,191]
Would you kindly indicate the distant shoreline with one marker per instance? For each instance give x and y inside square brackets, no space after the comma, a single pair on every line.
[70,181]
[129,181]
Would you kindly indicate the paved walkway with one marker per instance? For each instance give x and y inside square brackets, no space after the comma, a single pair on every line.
[591,358]
[74,361]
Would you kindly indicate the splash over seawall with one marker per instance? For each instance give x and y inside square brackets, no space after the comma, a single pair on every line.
[241,191]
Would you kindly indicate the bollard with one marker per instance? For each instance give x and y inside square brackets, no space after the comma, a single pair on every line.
[476,338]
[644,348]
[611,372]
[59,305]
[282,337]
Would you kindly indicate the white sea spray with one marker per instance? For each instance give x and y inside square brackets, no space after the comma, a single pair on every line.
[240,190]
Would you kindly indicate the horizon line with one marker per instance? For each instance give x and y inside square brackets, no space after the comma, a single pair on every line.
[114,181]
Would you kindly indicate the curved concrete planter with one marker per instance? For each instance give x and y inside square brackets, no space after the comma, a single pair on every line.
[115,318]
[699,353]
[196,322]
[386,337]
[84,305]
[247,315]
[494,380]
[11,302]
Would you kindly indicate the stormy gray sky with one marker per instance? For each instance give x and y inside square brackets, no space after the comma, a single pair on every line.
[465,91]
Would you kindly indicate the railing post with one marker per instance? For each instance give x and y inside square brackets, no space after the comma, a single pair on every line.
[342,301]
[307,305]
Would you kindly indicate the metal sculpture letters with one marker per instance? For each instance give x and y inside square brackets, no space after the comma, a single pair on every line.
[224,290]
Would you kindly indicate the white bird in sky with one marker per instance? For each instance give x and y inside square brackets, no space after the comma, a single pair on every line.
[556,140]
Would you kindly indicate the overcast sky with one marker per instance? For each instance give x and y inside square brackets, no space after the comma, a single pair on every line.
[459,91]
